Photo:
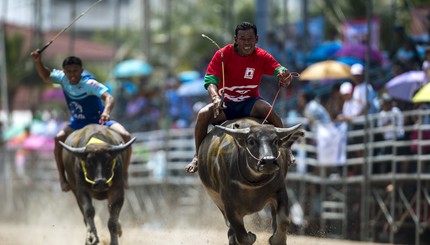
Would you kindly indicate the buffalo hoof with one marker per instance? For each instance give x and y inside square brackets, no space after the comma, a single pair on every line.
[250,239]
[65,187]
[272,241]
[92,239]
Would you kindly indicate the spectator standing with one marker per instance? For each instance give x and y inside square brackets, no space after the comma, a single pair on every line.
[391,120]
[334,102]
[326,133]
[350,109]
[366,100]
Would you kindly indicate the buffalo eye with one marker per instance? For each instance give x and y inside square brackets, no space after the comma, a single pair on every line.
[276,142]
[251,141]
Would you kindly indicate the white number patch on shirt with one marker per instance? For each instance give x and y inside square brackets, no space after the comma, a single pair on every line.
[249,73]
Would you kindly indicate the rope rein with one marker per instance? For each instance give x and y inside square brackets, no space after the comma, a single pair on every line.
[259,159]
[292,75]
[108,182]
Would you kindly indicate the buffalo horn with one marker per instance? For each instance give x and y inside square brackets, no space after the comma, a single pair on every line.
[119,148]
[288,130]
[234,130]
[78,150]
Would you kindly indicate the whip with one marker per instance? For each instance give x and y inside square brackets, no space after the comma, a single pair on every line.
[67,27]
[222,67]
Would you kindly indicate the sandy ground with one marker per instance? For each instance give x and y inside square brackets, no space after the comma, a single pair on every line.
[67,235]
[53,217]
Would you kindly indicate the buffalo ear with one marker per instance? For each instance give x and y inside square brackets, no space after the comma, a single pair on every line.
[289,135]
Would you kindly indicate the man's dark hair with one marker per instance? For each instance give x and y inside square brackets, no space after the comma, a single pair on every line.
[245,26]
[72,60]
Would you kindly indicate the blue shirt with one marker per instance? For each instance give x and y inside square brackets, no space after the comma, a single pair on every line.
[83,99]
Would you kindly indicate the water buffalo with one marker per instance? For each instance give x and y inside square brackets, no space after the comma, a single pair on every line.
[243,165]
[93,158]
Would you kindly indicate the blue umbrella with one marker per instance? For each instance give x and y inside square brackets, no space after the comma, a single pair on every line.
[349,60]
[193,88]
[132,68]
[188,76]
[323,51]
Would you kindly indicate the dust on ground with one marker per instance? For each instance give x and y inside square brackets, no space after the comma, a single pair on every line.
[52,217]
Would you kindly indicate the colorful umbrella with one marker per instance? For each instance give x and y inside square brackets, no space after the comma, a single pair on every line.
[423,95]
[323,51]
[37,142]
[194,88]
[329,69]
[405,85]
[349,60]
[188,76]
[132,68]
[359,51]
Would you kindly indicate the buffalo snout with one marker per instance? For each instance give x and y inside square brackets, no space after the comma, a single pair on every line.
[268,165]
[100,185]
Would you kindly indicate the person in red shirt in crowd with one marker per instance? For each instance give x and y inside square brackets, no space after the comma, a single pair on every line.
[237,96]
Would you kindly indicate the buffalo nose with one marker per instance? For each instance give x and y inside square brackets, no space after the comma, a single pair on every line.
[100,185]
[268,164]
[268,159]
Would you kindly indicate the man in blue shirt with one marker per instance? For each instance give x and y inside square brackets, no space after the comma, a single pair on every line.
[88,101]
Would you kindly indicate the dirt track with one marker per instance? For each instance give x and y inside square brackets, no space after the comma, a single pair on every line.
[67,235]
[54,218]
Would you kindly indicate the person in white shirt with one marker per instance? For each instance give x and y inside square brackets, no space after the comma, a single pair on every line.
[391,118]
[350,108]
[367,100]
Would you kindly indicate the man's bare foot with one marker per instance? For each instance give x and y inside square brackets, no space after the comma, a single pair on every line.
[192,166]
[65,186]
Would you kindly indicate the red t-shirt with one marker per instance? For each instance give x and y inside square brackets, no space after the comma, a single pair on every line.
[242,73]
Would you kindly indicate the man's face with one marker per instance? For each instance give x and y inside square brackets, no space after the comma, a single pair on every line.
[358,78]
[246,41]
[73,73]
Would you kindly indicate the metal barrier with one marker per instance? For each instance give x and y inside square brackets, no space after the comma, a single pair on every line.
[380,194]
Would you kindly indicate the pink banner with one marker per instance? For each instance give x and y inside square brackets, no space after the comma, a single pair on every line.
[355,32]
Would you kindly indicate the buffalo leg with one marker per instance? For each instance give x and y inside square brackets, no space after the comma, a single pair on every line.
[115,204]
[280,220]
[237,234]
[88,211]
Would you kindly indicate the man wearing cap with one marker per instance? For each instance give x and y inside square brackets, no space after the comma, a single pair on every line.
[371,104]
[350,109]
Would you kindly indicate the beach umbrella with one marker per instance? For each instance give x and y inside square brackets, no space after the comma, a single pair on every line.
[194,88]
[132,68]
[188,76]
[423,95]
[359,51]
[323,51]
[329,69]
[405,85]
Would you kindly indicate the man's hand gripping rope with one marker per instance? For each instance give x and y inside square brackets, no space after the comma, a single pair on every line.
[285,77]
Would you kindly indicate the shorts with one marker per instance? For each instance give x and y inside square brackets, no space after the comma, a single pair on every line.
[242,109]
[78,124]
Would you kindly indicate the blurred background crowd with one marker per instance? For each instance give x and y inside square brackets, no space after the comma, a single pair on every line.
[153,58]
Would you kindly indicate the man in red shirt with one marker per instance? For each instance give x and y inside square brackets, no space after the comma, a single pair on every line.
[238,95]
